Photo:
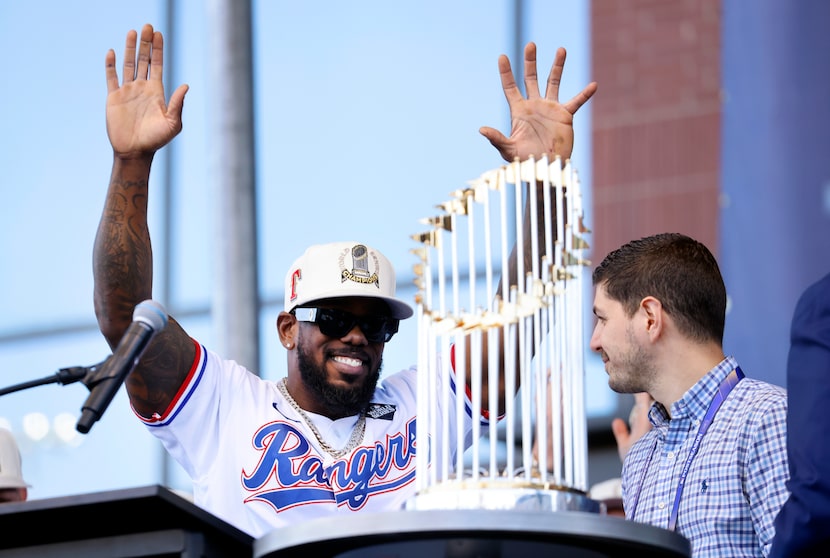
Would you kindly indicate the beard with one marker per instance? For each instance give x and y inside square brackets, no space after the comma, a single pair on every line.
[633,371]
[340,401]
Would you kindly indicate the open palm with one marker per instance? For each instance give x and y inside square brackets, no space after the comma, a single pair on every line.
[539,125]
[138,119]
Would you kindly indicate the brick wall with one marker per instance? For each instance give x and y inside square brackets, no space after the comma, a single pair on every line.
[656,120]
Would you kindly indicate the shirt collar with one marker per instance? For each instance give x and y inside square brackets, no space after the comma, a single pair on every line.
[695,402]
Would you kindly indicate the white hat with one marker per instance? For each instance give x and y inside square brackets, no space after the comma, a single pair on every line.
[11,465]
[342,269]
[610,489]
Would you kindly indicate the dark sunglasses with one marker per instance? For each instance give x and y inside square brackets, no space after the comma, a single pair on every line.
[337,323]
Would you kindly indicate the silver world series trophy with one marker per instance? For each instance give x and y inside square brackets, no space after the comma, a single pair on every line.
[533,453]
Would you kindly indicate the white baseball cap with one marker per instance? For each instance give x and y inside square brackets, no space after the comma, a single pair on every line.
[342,269]
[610,489]
[11,465]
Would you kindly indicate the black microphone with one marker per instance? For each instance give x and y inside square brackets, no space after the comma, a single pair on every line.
[149,317]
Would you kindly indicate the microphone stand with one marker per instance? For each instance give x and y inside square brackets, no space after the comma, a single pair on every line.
[149,317]
[87,375]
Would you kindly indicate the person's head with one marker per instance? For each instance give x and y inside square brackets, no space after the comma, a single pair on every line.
[668,275]
[12,486]
[340,310]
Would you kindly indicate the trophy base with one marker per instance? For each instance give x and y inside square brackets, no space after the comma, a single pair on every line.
[489,495]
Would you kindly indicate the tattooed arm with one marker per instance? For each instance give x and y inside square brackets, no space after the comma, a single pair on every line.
[139,122]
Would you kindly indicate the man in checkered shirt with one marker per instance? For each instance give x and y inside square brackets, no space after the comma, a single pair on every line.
[714,465]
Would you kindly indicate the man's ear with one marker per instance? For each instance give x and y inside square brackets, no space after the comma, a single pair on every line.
[287,329]
[652,310]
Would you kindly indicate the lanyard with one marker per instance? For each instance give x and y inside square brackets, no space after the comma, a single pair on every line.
[723,391]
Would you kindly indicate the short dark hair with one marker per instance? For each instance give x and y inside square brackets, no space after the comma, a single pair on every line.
[678,271]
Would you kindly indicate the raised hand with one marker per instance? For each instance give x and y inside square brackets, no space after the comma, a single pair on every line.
[638,424]
[139,121]
[539,125]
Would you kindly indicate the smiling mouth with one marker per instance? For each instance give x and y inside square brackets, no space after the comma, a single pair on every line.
[348,361]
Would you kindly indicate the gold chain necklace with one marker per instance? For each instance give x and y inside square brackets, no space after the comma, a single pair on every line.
[357,432]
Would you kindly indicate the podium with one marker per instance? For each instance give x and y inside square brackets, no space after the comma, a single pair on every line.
[145,521]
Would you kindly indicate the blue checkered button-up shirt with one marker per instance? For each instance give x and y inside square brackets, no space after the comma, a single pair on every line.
[737,480]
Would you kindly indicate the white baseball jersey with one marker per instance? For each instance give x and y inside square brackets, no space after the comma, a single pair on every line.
[256,464]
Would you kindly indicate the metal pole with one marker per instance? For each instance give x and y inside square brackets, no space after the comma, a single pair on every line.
[231,132]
